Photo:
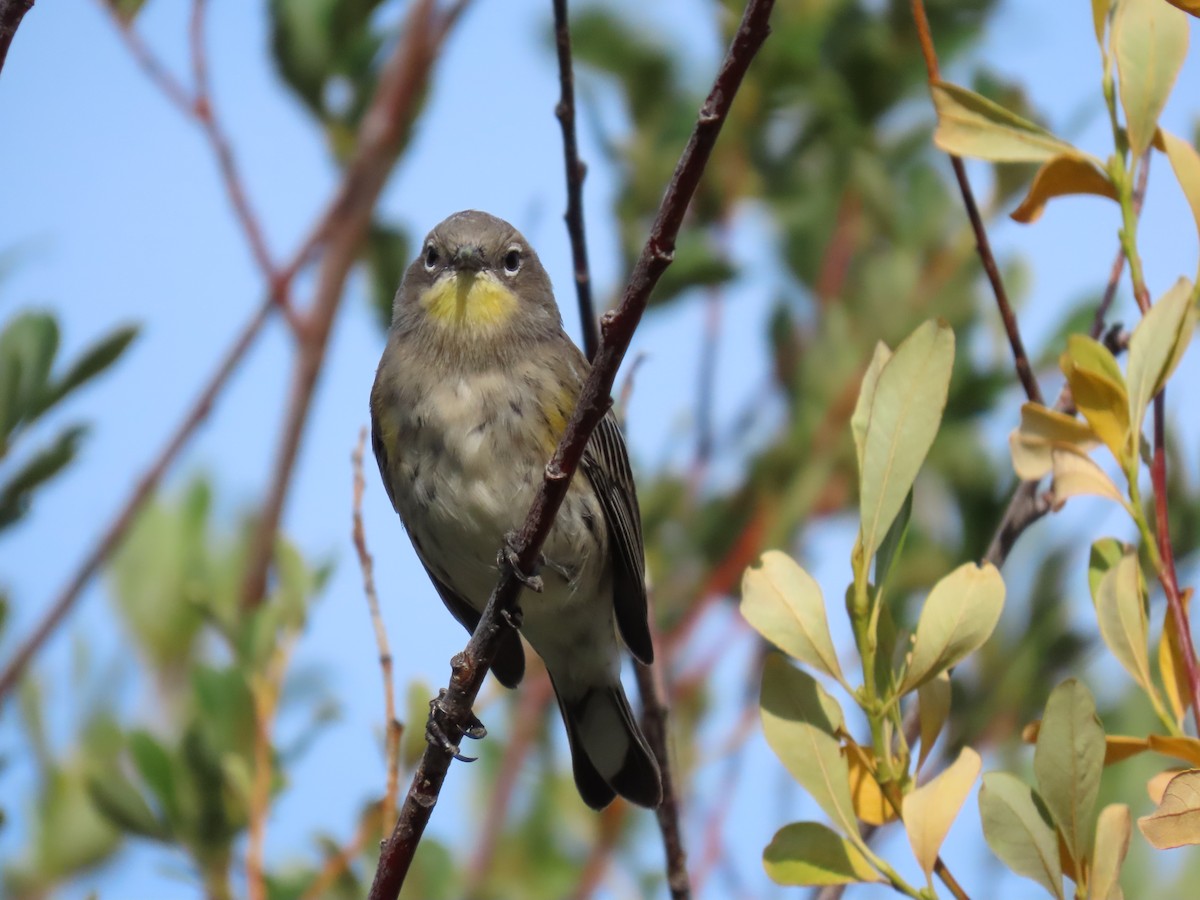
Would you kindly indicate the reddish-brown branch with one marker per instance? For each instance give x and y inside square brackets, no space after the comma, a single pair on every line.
[982,243]
[401,86]
[469,667]
[367,567]
[146,485]
[576,171]
[11,13]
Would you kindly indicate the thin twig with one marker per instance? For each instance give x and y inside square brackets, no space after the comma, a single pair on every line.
[265,690]
[654,726]
[982,243]
[366,565]
[340,862]
[205,114]
[469,667]
[384,125]
[11,13]
[576,172]
[146,485]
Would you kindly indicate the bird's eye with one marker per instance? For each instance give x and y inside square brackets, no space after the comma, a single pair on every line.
[431,257]
[512,261]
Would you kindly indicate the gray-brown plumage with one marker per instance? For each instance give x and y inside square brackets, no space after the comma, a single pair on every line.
[471,397]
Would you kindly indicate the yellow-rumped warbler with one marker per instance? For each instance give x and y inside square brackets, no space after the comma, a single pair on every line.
[472,395]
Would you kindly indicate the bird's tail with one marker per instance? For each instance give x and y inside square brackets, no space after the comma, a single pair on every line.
[608,752]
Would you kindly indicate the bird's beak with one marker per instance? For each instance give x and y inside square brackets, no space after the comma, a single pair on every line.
[468,259]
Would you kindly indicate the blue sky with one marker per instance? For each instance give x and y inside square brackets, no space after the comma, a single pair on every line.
[114,204]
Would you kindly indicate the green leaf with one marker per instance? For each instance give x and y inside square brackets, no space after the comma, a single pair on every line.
[809,853]
[933,709]
[930,810]
[971,125]
[1185,163]
[16,493]
[127,10]
[785,605]
[1121,613]
[1068,760]
[1150,40]
[866,396]
[905,413]
[958,617]
[28,346]
[154,765]
[94,361]
[1156,346]
[1016,825]
[1113,828]
[388,253]
[119,800]
[800,721]
[892,543]
[1106,553]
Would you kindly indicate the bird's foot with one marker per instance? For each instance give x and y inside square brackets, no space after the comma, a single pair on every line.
[438,728]
[510,557]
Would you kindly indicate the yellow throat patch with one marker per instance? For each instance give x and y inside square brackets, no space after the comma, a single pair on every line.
[468,301]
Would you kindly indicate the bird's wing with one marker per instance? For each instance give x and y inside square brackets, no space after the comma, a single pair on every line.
[509,665]
[606,465]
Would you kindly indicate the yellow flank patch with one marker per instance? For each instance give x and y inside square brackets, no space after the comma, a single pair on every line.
[557,406]
[466,300]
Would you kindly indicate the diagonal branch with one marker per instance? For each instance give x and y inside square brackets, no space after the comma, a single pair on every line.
[397,98]
[576,171]
[654,725]
[469,667]
[982,243]
[11,13]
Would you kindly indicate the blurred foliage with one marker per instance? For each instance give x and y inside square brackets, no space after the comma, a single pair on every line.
[828,147]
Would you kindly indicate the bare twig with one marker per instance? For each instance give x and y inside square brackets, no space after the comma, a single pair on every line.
[145,486]
[265,690]
[654,726]
[366,565]
[11,13]
[576,172]
[982,243]
[396,100]
[469,667]
[339,862]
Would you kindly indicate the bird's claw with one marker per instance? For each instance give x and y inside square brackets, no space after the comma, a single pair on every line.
[512,558]
[437,726]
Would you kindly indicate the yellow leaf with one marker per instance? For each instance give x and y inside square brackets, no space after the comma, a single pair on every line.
[1117,747]
[971,125]
[931,809]
[933,709]
[870,804]
[1040,427]
[1170,663]
[1113,828]
[1060,177]
[1183,747]
[1076,474]
[1185,162]
[1157,786]
[1176,822]
[1150,40]
[1100,10]
[1099,391]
